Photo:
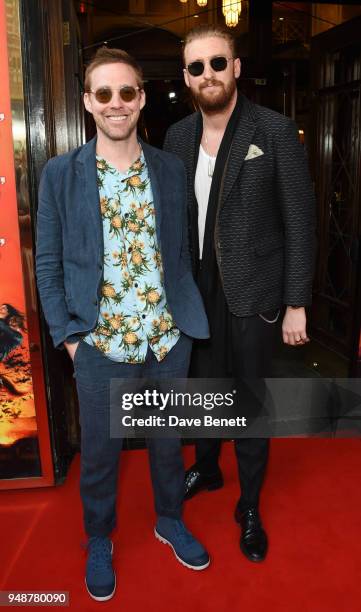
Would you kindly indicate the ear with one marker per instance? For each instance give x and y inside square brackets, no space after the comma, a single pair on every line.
[87,103]
[142,98]
[237,67]
[186,77]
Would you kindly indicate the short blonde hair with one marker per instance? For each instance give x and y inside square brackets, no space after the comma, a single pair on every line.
[204,31]
[104,55]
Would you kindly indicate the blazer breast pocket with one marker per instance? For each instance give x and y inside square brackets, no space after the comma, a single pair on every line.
[257,169]
[256,158]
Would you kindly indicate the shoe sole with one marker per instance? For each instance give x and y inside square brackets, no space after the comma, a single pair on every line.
[107,597]
[193,567]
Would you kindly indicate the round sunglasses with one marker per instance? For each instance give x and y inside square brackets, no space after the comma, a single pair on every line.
[218,64]
[105,94]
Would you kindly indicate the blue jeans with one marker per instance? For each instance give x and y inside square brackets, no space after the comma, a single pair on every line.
[100,453]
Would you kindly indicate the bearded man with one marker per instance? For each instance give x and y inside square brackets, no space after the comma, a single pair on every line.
[251,211]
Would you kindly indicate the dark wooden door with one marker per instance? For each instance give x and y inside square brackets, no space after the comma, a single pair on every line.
[54,125]
[335,152]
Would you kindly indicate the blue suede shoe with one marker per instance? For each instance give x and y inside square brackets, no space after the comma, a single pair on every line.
[185,547]
[100,578]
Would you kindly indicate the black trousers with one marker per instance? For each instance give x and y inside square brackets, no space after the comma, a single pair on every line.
[239,347]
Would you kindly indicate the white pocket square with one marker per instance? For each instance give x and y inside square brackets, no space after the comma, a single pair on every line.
[253,151]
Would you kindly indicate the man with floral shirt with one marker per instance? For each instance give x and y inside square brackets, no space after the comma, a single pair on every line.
[117,291]
[133,311]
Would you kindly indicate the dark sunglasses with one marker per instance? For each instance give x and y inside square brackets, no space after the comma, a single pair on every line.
[105,94]
[218,64]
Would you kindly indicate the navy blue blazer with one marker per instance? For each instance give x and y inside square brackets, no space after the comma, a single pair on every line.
[69,249]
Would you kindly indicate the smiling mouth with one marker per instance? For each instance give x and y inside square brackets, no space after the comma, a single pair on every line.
[117,118]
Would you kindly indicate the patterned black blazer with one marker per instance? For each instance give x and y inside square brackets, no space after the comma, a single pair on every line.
[265,234]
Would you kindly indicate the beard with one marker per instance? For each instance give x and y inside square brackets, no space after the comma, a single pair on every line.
[216,102]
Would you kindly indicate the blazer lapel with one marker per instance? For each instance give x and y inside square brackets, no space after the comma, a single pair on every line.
[243,137]
[154,171]
[193,139]
[190,161]
[87,170]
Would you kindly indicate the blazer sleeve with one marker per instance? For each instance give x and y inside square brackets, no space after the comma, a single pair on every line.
[297,201]
[49,260]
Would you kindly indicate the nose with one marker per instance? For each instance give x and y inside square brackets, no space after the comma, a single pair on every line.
[208,72]
[116,100]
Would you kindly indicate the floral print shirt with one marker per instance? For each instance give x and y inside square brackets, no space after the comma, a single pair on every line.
[133,308]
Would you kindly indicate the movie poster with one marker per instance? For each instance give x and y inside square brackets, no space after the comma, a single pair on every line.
[19,448]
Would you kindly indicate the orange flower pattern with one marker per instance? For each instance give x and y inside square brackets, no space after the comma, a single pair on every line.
[133,309]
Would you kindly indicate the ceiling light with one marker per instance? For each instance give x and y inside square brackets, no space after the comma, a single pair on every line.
[231,10]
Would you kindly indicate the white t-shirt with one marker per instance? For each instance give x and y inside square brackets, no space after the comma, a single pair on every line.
[202,188]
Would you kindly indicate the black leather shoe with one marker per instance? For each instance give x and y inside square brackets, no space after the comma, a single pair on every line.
[195,482]
[253,542]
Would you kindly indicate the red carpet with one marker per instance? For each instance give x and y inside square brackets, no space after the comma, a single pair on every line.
[311,509]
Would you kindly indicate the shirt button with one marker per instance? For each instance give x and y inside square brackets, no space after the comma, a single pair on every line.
[143,316]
